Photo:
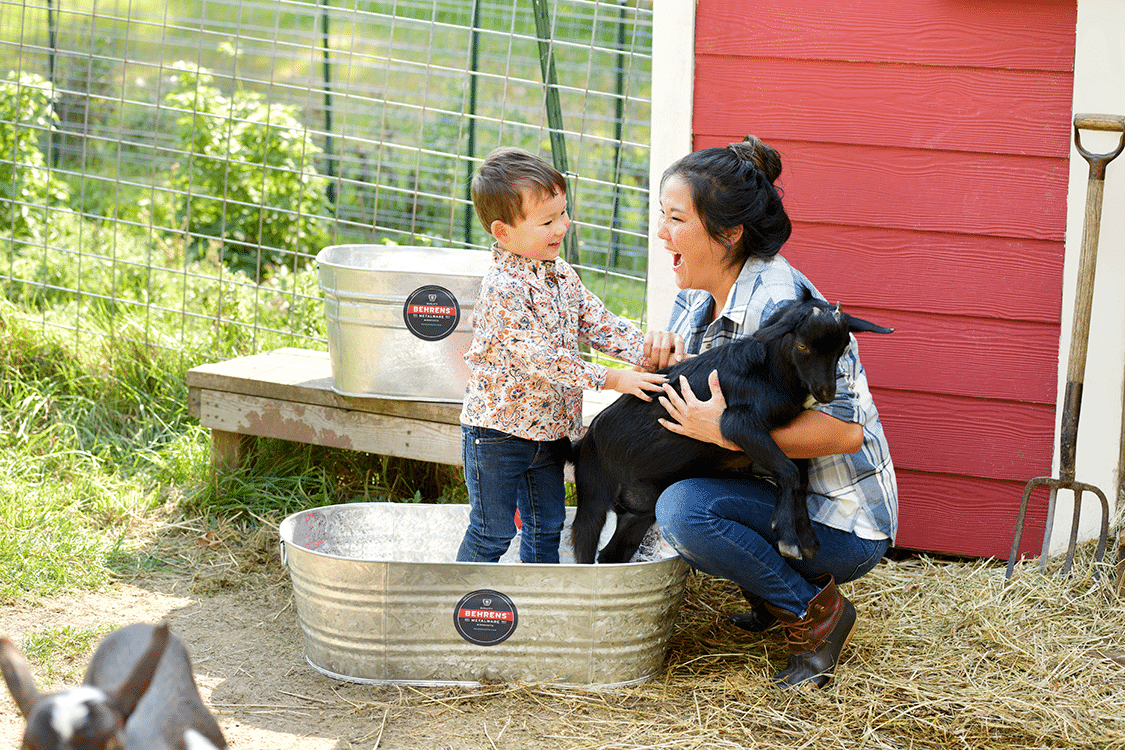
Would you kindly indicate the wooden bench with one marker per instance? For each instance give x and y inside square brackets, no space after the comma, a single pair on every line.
[287,394]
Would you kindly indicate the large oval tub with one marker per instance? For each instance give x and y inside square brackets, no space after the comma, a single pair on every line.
[381,599]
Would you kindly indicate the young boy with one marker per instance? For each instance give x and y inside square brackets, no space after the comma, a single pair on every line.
[523,401]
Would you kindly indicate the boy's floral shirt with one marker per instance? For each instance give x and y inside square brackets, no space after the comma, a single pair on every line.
[525,373]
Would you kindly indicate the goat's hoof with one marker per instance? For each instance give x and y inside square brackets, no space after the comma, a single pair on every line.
[792,551]
[809,545]
[610,556]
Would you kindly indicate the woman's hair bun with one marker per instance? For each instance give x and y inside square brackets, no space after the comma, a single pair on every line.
[751,149]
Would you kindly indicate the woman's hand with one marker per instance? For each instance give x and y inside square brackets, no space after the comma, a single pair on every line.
[810,435]
[662,348]
[693,418]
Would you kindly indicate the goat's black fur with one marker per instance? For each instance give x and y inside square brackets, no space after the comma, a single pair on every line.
[626,458]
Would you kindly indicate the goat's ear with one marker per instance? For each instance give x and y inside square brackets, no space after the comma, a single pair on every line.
[789,318]
[859,325]
[787,323]
[129,694]
[17,674]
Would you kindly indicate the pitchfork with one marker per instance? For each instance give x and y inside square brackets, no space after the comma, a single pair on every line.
[1076,367]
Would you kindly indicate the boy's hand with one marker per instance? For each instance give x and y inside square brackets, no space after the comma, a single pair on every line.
[634,382]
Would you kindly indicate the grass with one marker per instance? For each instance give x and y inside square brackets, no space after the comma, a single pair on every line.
[98,452]
[68,487]
[59,655]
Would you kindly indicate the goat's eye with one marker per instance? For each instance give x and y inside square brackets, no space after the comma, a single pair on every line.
[802,348]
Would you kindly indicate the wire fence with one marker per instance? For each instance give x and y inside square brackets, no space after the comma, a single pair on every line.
[168,171]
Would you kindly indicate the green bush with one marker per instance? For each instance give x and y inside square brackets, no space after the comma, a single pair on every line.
[119,281]
[245,178]
[26,186]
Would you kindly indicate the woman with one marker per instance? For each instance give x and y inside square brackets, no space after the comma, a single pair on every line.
[723,221]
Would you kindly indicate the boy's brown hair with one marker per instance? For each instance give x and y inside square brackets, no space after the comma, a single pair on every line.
[504,178]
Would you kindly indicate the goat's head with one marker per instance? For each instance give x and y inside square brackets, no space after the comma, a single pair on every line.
[84,718]
[814,335]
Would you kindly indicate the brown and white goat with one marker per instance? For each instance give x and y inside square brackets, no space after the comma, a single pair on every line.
[138,694]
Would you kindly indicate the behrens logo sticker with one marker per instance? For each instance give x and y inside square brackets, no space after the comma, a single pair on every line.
[431,313]
[485,617]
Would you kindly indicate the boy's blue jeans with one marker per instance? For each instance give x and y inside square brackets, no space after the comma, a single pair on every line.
[504,472]
[721,526]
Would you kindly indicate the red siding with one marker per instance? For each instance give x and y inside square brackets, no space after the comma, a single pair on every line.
[932,271]
[926,153]
[894,105]
[1014,34]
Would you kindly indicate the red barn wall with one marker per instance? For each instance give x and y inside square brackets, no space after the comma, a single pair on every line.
[926,147]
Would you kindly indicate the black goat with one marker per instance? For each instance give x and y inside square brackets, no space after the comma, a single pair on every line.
[626,458]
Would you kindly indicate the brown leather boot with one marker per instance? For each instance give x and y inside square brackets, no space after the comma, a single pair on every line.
[758,619]
[815,642]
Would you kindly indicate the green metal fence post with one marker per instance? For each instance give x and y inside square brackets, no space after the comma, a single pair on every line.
[329,141]
[618,136]
[474,51]
[554,112]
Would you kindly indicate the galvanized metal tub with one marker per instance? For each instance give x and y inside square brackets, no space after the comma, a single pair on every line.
[400,319]
[381,599]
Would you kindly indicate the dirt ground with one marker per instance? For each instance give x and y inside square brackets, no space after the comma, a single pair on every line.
[948,656]
[239,623]
[241,629]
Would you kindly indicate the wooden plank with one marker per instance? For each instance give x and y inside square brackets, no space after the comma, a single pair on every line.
[985,194]
[971,516]
[228,449]
[286,394]
[966,515]
[335,428]
[973,437]
[972,357]
[1002,34]
[923,107]
[265,371]
[305,376]
[945,274]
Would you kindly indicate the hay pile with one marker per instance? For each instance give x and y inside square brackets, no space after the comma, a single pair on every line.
[945,657]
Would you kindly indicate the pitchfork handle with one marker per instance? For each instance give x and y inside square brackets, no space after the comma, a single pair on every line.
[1084,294]
[1108,123]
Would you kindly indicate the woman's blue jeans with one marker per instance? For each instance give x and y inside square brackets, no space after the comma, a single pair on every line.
[504,472]
[721,526]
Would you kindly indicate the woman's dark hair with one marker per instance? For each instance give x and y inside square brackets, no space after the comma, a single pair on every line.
[732,187]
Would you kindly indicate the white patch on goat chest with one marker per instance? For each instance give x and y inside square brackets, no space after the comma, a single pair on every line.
[193,740]
[70,711]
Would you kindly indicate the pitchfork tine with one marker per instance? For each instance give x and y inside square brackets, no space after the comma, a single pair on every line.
[1054,485]
[1019,524]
